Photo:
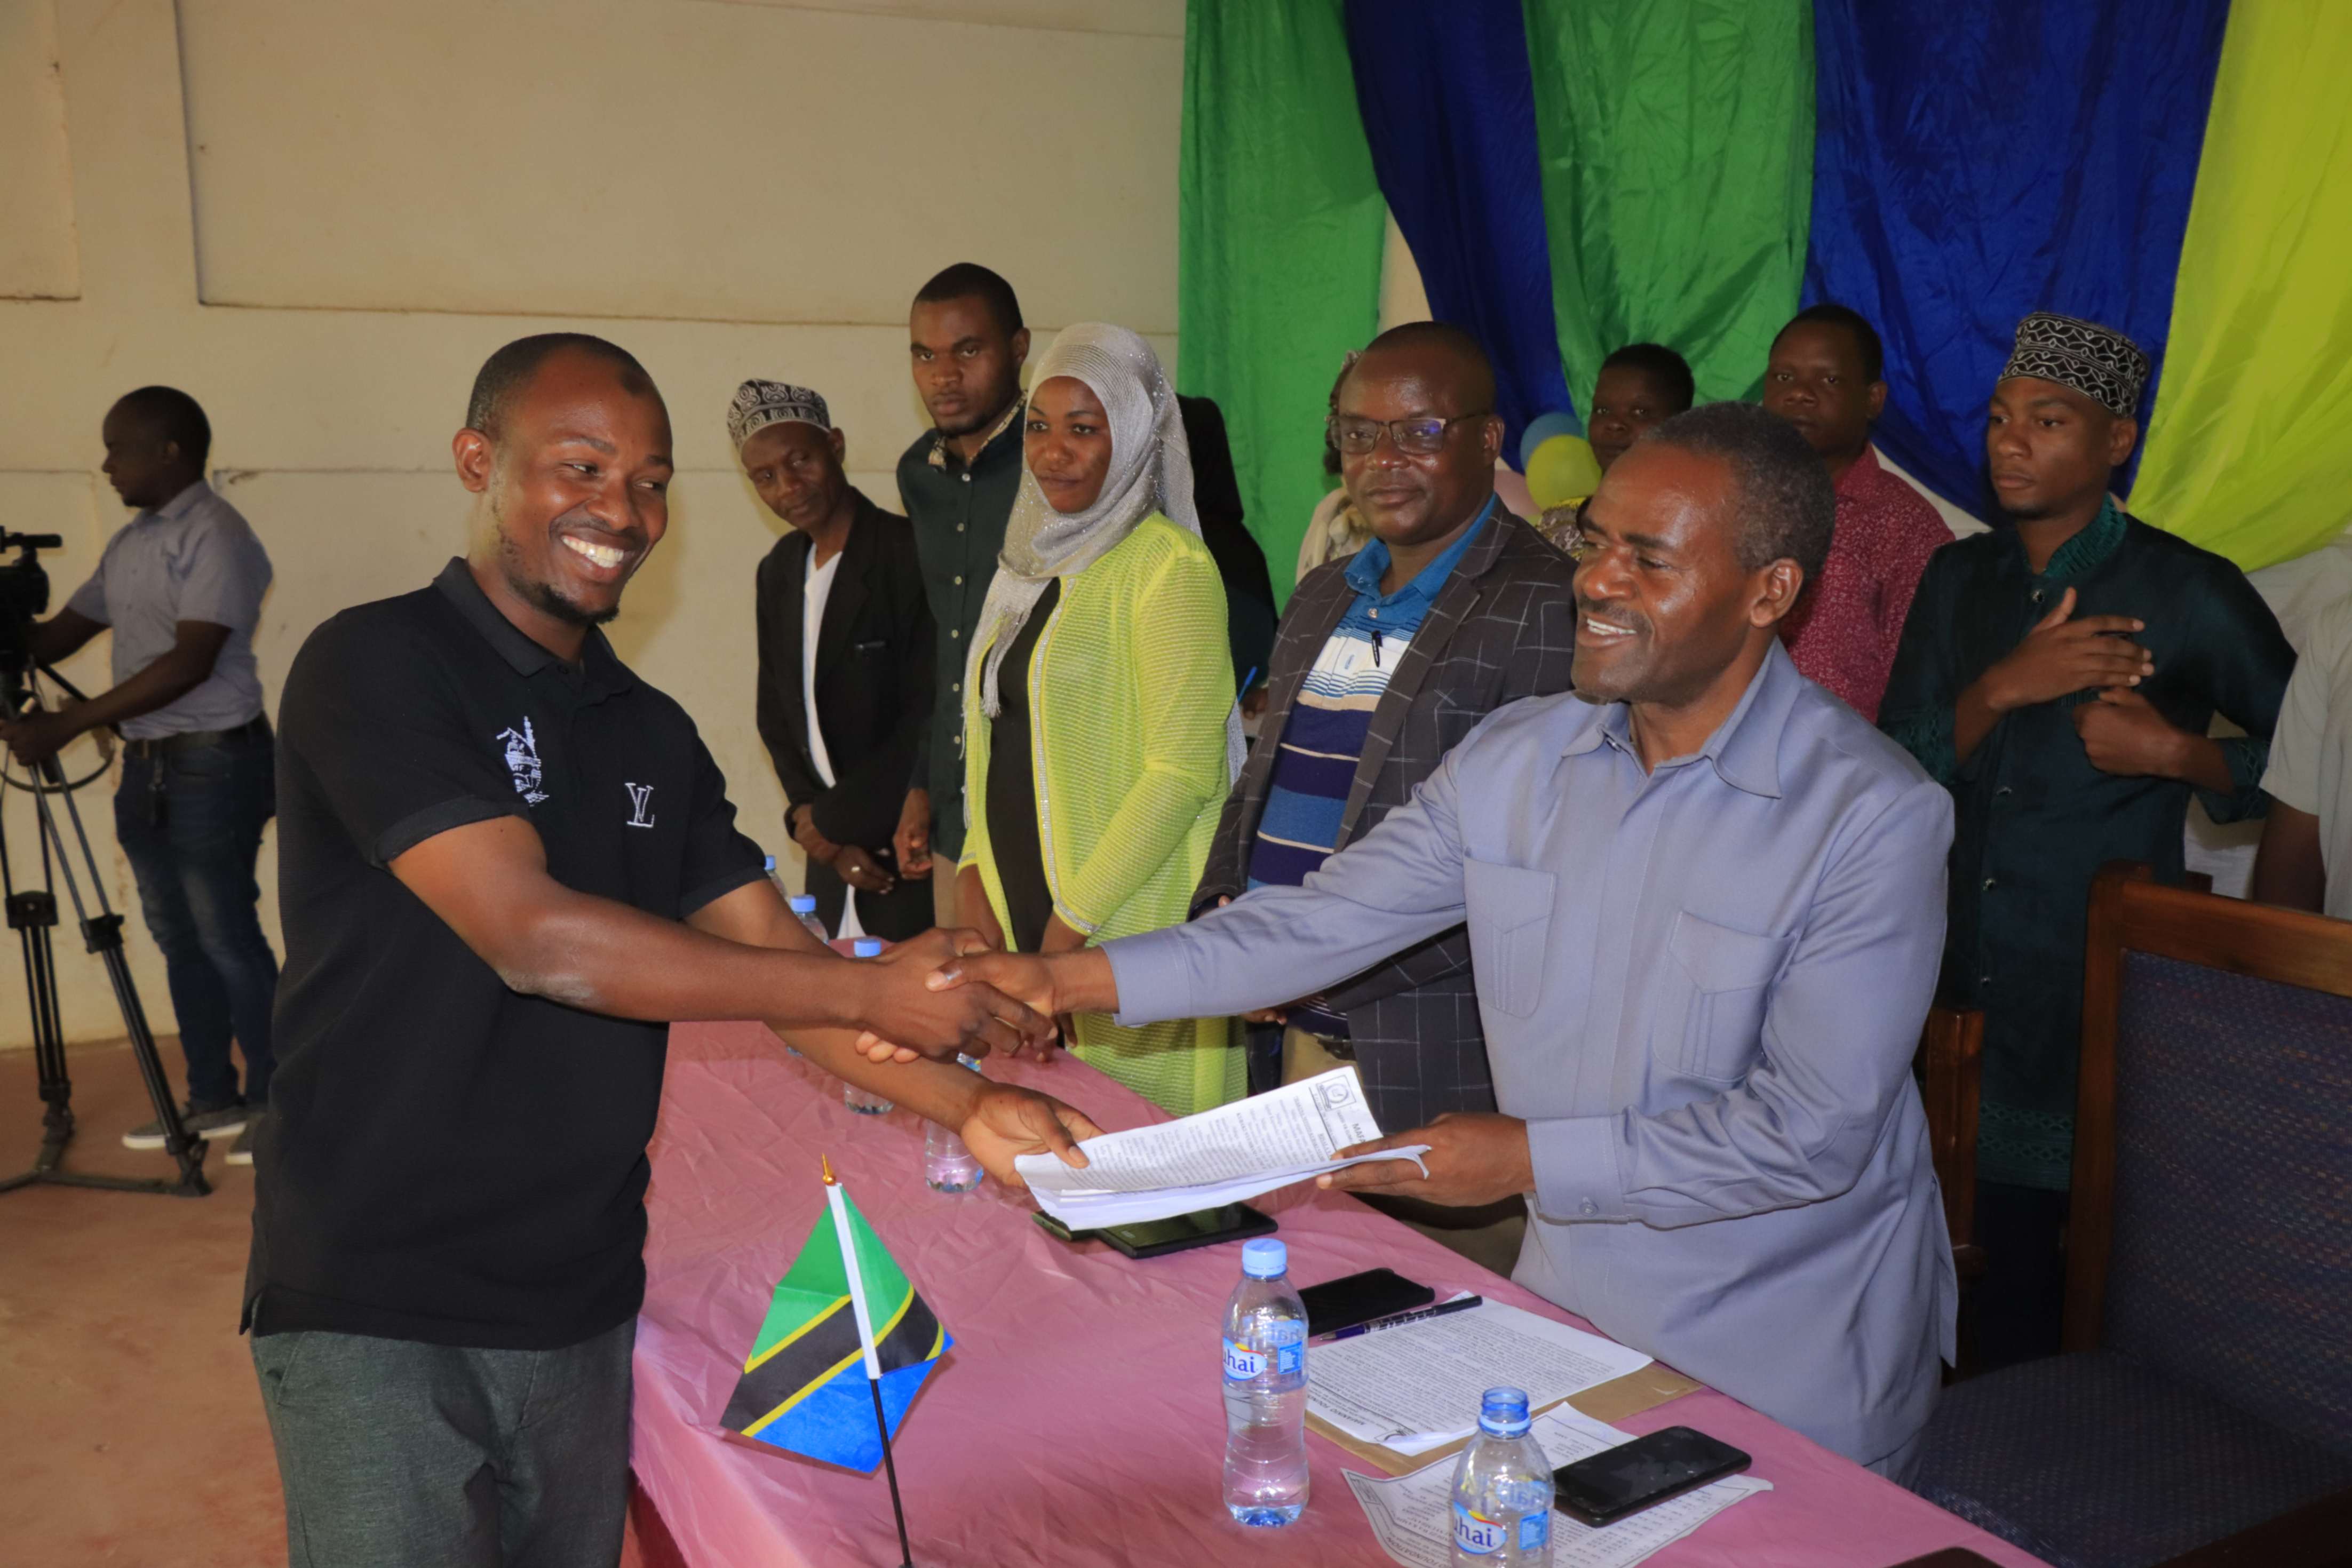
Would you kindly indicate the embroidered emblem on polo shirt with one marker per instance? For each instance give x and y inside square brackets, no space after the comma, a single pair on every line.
[522,761]
[640,795]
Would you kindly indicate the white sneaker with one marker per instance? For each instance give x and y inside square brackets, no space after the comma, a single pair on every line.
[222,1123]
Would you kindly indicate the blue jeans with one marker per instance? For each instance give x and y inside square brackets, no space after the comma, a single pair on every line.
[192,844]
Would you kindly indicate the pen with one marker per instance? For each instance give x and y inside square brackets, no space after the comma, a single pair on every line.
[1439,1311]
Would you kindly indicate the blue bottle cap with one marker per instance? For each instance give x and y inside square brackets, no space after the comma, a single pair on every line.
[1504,1412]
[1262,1258]
[865,947]
[802,903]
[772,864]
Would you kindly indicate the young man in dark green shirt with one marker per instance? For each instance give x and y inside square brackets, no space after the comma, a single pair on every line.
[956,485]
[2059,675]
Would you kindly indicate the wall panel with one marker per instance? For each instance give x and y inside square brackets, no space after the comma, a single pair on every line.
[1157,18]
[600,158]
[39,253]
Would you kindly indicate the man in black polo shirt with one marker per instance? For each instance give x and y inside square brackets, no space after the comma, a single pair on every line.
[505,865]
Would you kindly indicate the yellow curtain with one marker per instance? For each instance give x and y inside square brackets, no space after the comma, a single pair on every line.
[2250,449]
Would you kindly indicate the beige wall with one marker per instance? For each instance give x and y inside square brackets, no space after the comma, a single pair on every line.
[318,215]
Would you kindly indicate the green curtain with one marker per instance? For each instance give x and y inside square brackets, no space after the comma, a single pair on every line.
[2247,451]
[1279,225]
[1677,144]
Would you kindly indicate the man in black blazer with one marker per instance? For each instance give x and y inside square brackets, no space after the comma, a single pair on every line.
[845,631]
[1381,664]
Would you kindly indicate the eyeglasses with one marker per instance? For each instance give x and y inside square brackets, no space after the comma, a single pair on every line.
[1421,437]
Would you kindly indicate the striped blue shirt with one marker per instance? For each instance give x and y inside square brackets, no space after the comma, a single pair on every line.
[1324,739]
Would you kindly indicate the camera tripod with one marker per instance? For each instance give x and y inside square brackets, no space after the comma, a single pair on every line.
[33,915]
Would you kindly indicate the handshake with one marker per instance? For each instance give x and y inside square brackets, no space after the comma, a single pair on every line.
[948,991]
[945,992]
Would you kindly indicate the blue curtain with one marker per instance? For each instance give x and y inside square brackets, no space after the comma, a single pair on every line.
[1449,111]
[1976,160]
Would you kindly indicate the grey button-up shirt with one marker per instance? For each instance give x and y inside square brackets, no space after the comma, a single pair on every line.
[194,557]
[1701,990]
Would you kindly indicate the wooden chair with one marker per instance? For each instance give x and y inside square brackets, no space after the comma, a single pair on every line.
[1950,1067]
[2202,1412]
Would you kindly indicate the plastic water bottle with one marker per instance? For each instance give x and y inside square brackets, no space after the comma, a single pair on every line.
[805,908]
[856,1099]
[948,1166]
[1502,1490]
[1266,1390]
[801,905]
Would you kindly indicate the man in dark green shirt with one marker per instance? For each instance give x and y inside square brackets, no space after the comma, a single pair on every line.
[2059,674]
[956,485]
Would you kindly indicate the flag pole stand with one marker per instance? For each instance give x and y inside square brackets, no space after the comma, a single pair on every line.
[890,1467]
[833,1198]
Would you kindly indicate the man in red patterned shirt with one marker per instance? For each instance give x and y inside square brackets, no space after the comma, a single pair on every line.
[1826,378]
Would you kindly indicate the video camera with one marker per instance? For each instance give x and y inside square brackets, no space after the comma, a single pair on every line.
[32,912]
[24,595]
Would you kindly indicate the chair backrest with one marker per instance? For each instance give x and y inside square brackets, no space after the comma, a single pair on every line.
[2212,1219]
[1952,1069]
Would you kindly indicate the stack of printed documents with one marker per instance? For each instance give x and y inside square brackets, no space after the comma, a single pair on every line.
[1417,1388]
[1220,1157]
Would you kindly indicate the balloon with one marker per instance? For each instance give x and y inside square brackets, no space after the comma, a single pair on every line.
[1542,428]
[1561,470]
[1511,489]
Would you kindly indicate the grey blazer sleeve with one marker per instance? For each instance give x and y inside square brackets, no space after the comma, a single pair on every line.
[1399,884]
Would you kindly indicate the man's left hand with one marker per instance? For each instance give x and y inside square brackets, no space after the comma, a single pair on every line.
[1473,1157]
[38,736]
[861,870]
[800,823]
[2122,734]
[1006,1123]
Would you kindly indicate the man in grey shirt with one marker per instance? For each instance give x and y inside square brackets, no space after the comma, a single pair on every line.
[1705,912]
[181,585]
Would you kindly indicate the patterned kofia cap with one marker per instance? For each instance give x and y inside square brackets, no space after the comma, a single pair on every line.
[759,405]
[2097,362]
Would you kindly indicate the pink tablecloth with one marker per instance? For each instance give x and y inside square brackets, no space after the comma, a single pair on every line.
[1078,1420]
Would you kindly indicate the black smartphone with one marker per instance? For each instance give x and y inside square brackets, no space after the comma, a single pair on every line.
[1637,1474]
[1152,1237]
[1353,1299]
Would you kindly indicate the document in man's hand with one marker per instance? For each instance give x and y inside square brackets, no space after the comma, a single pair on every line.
[1224,1155]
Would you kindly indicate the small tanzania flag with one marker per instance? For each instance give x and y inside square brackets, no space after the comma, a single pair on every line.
[803,1385]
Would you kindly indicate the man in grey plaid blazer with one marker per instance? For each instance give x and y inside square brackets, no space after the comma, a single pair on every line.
[1502,627]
